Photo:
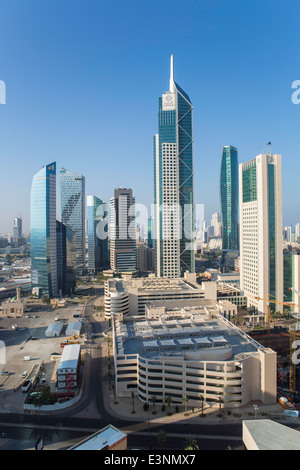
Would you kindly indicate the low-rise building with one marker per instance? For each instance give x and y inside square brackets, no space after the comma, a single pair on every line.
[68,368]
[192,351]
[108,438]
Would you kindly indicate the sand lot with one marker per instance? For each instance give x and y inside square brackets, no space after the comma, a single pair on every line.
[19,344]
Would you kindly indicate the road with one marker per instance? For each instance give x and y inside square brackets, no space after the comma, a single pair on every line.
[90,415]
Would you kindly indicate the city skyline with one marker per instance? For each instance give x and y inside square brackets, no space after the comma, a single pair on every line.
[70,116]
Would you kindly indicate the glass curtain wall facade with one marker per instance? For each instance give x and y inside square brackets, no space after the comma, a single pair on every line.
[98,253]
[43,231]
[173,184]
[66,260]
[123,255]
[72,194]
[261,256]
[229,199]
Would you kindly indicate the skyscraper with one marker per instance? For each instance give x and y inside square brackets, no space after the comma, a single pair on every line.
[72,194]
[229,198]
[66,259]
[122,231]
[173,184]
[261,257]
[98,254]
[17,229]
[43,230]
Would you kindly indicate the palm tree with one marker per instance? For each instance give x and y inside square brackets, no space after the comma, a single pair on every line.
[191,443]
[202,402]
[162,437]
[169,402]
[185,400]
[153,401]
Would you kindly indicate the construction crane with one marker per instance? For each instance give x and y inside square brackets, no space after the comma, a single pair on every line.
[269,301]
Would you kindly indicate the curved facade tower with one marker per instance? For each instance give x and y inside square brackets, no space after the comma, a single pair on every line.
[72,194]
[173,184]
[229,198]
[43,230]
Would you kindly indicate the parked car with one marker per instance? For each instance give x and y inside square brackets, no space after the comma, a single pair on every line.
[26,358]
[25,373]
[5,372]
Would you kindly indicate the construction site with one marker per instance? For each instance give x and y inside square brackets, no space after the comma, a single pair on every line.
[283,337]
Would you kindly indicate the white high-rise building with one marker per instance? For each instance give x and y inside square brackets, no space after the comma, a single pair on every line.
[261,257]
[216,224]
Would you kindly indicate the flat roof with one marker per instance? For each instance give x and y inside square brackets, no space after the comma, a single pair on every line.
[175,336]
[265,434]
[106,437]
[69,357]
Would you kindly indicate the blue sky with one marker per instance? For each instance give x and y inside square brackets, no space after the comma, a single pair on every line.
[83,79]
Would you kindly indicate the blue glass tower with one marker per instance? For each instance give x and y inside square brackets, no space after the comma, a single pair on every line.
[72,194]
[43,231]
[173,184]
[229,198]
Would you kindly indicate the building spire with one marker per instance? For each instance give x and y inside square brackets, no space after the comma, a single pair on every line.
[172,84]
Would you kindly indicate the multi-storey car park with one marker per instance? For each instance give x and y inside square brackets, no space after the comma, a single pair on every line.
[192,351]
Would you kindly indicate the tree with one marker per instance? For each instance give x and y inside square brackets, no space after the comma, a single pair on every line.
[162,437]
[191,443]
[202,403]
[169,402]
[185,400]
[153,400]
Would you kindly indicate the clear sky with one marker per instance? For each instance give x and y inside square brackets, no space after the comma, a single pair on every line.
[83,79]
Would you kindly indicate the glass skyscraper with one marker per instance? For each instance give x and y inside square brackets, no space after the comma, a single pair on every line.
[122,231]
[173,184]
[66,259]
[229,198]
[72,194]
[261,257]
[98,254]
[43,231]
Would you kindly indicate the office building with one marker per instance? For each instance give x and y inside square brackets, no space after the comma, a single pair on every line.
[122,231]
[43,231]
[98,254]
[261,257]
[173,184]
[229,197]
[291,267]
[72,195]
[17,229]
[66,260]
[216,224]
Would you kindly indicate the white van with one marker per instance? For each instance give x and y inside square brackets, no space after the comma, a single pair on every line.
[26,385]
[26,358]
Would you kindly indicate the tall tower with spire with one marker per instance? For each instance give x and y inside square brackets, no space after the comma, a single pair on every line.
[173,183]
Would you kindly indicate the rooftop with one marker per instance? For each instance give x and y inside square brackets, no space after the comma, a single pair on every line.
[197,333]
[107,437]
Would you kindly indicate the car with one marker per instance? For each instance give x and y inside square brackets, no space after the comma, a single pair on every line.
[33,338]
[55,354]
[26,386]
[35,394]
[26,358]
[5,372]
[25,373]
